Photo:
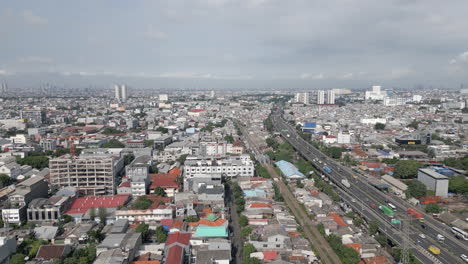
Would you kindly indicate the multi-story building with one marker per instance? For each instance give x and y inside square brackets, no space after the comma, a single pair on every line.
[48,144]
[434,181]
[330,97]
[120,92]
[375,94]
[302,98]
[34,117]
[320,97]
[137,173]
[149,215]
[343,138]
[218,149]
[48,209]
[90,175]
[230,166]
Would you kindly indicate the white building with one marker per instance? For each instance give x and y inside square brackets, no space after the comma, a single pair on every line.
[231,166]
[375,94]
[394,101]
[320,97]
[434,181]
[302,98]
[20,139]
[146,216]
[330,97]
[417,98]
[120,92]
[373,121]
[163,97]
[343,138]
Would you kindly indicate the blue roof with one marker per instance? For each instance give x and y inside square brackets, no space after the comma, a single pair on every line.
[254,193]
[383,152]
[288,169]
[211,231]
[310,125]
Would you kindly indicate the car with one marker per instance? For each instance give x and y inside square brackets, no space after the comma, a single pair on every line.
[464,257]
[422,236]
[440,237]
[423,226]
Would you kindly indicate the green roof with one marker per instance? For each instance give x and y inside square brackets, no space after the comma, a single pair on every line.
[211,231]
[211,217]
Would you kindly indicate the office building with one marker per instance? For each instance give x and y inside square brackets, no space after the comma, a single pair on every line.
[230,166]
[434,181]
[34,117]
[375,94]
[48,144]
[89,175]
[302,98]
[48,209]
[330,97]
[120,92]
[320,97]
[163,97]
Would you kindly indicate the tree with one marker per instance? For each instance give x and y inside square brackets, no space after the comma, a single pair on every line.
[373,227]
[95,235]
[153,169]
[102,213]
[37,162]
[17,258]
[66,218]
[160,191]
[128,159]
[334,152]
[190,219]
[243,220]
[111,131]
[245,232]
[247,250]
[113,143]
[416,188]
[405,169]
[142,203]
[262,172]
[229,139]
[35,247]
[182,159]
[433,208]
[299,184]
[162,129]
[414,124]
[5,180]
[161,234]
[144,230]
[458,184]
[148,143]
[379,126]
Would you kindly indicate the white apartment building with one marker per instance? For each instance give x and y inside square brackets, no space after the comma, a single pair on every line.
[343,138]
[231,166]
[320,97]
[302,98]
[149,215]
[375,94]
[218,149]
[330,97]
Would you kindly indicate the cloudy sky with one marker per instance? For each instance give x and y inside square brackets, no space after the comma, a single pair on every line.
[254,43]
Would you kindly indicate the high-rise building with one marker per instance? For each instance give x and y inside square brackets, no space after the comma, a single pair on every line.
[89,175]
[330,97]
[375,94]
[212,94]
[320,97]
[34,117]
[163,97]
[302,98]
[120,92]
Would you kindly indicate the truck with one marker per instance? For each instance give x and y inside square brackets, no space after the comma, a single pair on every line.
[386,210]
[346,183]
[327,169]
[434,250]
[415,214]
[396,221]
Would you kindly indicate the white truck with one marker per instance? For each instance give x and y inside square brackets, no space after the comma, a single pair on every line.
[346,183]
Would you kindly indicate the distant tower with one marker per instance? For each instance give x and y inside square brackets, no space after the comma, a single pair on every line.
[320,97]
[302,98]
[212,94]
[330,97]
[117,92]
[120,92]
[124,92]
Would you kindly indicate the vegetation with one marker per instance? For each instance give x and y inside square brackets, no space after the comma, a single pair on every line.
[148,143]
[238,197]
[458,184]
[461,164]
[182,159]
[142,203]
[144,230]
[245,232]
[102,213]
[247,250]
[334,152]
[272,143]
[379,126]
[396,254]
[111,131]
[229,139]
[37,162]
[373,227]
[113,143]
[161,235]
[406,169]
[80,256]
[278,196]
[5,180]
[160,191]
[433,208]
[18,258]
[268,124]
[285,152]
[262,171]
[414,124]
[95,235]
[346,254]
[305,167]
[128,159]
[190,219]
[390,161]
[415,189]
[66,218]
[243,221]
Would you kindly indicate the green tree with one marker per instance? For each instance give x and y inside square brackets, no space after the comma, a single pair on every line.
[243,220]
[142,203]
[144,230]
[5,180]
[128,159]
[35,247]
[160,191]
[37,162]
[334,152]
[182,159]
[163,130]
[247,250]
[458,184]
[66,218]
[113,143]
[111,131]
[161,234]
[373,227]
[379,126]
[229,139]
[190,219]
[262,171]
[245,232]
[149,143]
[17,258]
[153,169]
[414,124]
[415,189]
[102,213]
[405,169]
[433,208]
[95,235]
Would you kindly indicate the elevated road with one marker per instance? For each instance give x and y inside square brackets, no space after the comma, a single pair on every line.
[366,194]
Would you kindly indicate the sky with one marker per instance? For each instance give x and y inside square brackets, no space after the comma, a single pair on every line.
[298,44]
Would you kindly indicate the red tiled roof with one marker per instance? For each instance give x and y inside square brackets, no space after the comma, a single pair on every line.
[125,184]
[355,246]
[174,255]
[257,179]
[177,224]
[177,237]
[259,205]
[207,211]
[373,165]
[270,255]
[338,219]
[49,252]
[146,262]
[83,204]
[376,260]
[166,222]
[176,171]
[164,180]
[217,222]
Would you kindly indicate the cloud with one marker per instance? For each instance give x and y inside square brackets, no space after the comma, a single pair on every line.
[5,72]
[153,33]
[32,19]
[35,59]
[310,76]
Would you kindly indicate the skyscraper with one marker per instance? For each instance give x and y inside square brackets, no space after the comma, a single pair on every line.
[330,97]
[120,92]
[320,97]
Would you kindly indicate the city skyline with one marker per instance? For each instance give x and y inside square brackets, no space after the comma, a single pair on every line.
[232,44]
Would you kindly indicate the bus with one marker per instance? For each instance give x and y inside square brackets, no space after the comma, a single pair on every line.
[391,206]
[459,233]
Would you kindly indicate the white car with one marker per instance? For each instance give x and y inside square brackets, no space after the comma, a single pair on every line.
[422,236]
[464,257]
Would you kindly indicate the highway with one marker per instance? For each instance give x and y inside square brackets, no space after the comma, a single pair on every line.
[365,194]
